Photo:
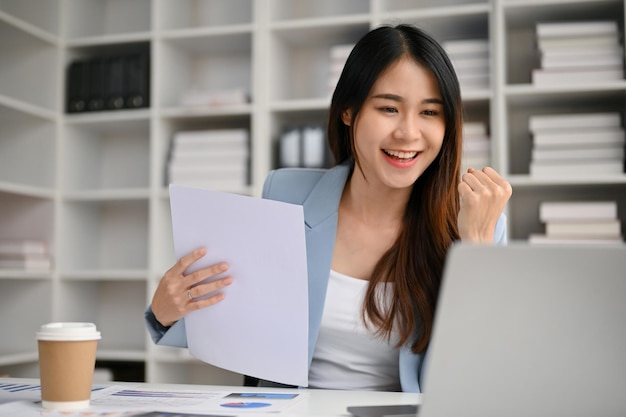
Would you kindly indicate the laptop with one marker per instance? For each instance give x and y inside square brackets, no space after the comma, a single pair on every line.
[528,330]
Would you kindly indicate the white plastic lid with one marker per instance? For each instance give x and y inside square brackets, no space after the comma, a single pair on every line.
[72,331]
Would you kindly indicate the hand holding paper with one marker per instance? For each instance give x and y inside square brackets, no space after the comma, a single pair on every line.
[261,327]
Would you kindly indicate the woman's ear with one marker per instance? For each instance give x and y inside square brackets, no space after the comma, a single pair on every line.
[346,117]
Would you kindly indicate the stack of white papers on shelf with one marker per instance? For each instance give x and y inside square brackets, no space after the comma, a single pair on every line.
[470,58]
[575,144]
[476,146]
[216,159]
[579,222]
[580,51]
[214,98]
[25,254]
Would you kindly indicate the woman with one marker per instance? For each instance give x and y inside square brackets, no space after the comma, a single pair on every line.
[378,224]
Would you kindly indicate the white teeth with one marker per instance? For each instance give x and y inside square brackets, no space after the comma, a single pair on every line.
[401,155]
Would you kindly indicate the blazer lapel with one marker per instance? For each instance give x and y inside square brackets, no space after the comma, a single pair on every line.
[320,217]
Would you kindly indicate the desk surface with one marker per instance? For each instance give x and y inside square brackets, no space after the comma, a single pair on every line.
[315,402]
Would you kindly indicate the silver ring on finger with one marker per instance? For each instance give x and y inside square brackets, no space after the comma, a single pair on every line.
[189,294]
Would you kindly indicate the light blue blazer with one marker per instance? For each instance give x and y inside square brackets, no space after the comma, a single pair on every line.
[319,192]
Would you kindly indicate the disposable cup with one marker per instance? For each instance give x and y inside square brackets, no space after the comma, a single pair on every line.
[67,358]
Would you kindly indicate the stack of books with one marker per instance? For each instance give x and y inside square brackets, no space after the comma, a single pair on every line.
[476,146]
[470,59]
[198,97]
[338,56]
[25,254]
[587,222]
[586,143]
[580,51]
[214,159]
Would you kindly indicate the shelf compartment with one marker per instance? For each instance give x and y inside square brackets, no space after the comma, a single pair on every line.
[110,154]
[116,307]
[521,107]
[168,128]
[208,64]
[302,61]
[27,66]
[43,15]
[21,134]
[26,305]
[523,212]
[19,368]
[281,10]
[25,217]
[184,14]
[404,5]
[104,235]
[282,121]
[472,24]
[521,54]
[92,18]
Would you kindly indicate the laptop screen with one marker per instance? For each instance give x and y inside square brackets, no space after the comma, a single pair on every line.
[524,330]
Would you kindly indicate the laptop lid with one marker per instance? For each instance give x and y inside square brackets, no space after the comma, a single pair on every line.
[526,330]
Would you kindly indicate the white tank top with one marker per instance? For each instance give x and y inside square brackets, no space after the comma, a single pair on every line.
[347,355]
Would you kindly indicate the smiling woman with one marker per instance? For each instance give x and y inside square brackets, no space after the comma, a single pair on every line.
[378,224]
[400,126]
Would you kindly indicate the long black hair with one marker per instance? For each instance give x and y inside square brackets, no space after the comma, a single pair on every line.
[415,261]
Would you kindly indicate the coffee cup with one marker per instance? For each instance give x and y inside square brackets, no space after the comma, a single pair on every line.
[67,358]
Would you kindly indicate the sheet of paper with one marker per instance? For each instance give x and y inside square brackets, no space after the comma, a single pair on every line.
[121,401]
[193,401]
[261,327]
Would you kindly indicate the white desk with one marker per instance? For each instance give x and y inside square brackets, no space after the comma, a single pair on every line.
[315,403]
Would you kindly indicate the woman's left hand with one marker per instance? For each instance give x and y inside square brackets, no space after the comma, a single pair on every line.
[484,195]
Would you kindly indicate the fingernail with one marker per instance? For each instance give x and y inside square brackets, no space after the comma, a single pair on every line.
[223,267]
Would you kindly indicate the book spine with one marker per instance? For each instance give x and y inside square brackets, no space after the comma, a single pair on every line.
[574,121]
[552,77]
[568,168]
[615,154]
[598,137]
[576,28]
[577,210]
[604,229]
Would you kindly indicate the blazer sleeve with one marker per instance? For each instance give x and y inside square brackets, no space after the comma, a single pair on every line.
[500,233]
[175,335]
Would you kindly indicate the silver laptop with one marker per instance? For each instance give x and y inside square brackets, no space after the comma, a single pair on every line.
[528,330]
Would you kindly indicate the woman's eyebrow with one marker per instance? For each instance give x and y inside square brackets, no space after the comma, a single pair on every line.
[398,98]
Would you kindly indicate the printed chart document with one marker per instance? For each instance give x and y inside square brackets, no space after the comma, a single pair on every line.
[261,327]
[143,401]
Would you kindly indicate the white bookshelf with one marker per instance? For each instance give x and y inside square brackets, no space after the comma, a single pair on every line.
[93,185]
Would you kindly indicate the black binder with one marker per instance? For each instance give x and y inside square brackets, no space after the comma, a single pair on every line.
[115,83]
[137,84]
[77,86]
[97,77]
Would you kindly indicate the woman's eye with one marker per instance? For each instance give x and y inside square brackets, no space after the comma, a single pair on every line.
[389,109]
[430,112]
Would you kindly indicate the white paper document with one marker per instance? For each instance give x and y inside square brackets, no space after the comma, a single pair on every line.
[128,401]
[260,329]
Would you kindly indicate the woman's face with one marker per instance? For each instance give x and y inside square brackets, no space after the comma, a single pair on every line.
[400,128]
